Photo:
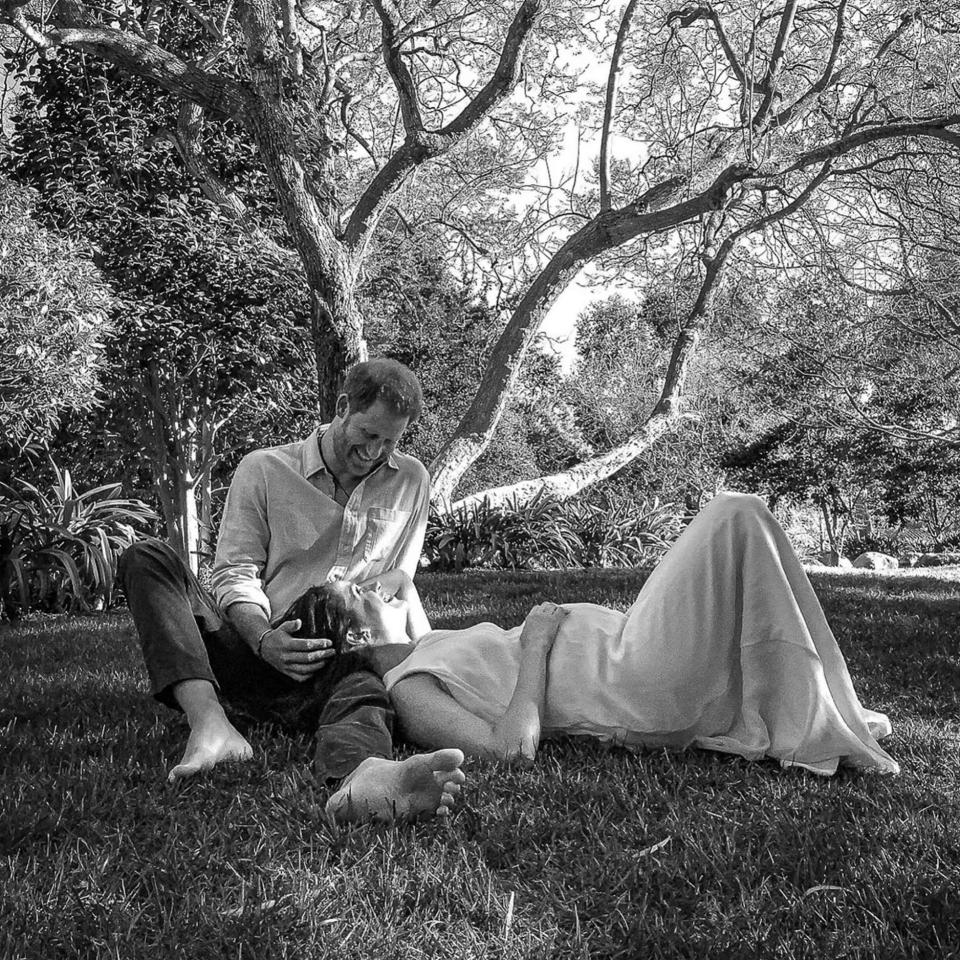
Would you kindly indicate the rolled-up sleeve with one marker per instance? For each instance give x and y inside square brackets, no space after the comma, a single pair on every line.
[244,539]
[411,540]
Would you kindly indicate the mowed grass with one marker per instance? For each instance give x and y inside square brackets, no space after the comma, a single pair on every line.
[593,852]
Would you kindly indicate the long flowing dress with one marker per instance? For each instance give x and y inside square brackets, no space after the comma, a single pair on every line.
[725,648]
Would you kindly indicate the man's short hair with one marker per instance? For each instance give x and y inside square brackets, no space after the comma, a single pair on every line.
[387,380]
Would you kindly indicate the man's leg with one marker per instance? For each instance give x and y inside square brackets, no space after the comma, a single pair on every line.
[355,742]
[356,721]
[163,597]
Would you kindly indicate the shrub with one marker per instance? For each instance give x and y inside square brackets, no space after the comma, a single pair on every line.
[59,549]
[532,535]
[900,543]
[548,534]
[620,533]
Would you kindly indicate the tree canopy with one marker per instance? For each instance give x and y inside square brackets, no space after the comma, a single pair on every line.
[713,125]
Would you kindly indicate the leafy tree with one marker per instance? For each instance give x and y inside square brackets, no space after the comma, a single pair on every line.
[732,117]
[54,314]
[831,469]
[211,338]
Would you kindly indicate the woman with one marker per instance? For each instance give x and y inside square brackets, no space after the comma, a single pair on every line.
[725,648]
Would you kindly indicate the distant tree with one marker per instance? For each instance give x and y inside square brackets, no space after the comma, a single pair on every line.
[624,349]
[836,472]
[211,336]
[54,315]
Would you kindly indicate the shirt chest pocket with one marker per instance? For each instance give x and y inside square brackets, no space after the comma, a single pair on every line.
[384,530]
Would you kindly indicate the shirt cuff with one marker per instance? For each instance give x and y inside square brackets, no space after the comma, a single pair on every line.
[243,593]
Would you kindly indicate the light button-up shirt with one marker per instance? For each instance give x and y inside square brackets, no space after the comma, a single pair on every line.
[282,531]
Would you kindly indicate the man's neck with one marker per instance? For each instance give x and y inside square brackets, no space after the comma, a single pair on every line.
[343,480]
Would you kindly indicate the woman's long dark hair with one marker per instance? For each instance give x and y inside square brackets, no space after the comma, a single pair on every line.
[322,613]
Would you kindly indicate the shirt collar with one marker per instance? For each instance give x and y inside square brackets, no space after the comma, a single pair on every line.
[311,462]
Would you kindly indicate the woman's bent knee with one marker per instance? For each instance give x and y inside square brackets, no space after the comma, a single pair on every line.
[731,504]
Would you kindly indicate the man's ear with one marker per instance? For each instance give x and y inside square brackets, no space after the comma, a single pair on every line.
[343,406]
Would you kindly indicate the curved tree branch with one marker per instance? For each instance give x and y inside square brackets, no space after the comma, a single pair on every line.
[934,127]
[218,95]
[424,145]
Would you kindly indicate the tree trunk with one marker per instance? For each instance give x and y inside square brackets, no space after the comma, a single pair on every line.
[829,526]
[189,545]
[336,324]
[204,489]
[334,352]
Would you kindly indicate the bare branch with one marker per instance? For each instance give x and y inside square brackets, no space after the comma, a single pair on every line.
[393,58]
[425,145]
[826,77]
[768,84]
[504,78]
[690,15]
[934,127]
[610,103]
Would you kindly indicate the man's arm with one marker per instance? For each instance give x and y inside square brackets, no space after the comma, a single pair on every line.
[243,541]
[297,657]
[236,579]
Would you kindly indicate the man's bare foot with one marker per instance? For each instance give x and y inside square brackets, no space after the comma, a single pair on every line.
[423,785]
[211,741]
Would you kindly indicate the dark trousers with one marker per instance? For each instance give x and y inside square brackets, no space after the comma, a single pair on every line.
[183,638]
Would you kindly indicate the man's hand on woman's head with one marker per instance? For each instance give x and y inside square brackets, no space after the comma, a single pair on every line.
[297,657]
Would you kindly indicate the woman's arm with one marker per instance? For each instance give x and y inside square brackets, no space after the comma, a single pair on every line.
[432,718]
[398,583]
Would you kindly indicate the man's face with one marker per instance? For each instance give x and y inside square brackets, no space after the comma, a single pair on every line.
[363,439]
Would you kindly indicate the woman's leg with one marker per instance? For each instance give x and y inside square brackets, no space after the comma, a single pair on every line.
[734,624]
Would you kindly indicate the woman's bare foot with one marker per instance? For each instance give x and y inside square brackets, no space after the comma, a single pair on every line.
[423,785]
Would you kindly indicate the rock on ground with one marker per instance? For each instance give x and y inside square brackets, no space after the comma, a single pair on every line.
[873,560]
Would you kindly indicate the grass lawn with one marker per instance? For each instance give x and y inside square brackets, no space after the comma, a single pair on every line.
[591,853]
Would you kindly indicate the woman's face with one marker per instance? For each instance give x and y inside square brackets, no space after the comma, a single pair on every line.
[375,610]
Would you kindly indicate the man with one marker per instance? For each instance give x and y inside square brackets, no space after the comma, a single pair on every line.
[341,504]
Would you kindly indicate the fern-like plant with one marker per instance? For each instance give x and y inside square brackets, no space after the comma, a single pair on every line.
[59,549]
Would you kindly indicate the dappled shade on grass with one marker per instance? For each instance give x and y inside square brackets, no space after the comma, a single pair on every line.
[592,852]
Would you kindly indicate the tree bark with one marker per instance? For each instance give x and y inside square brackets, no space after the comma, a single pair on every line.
[330,272]
[560,486]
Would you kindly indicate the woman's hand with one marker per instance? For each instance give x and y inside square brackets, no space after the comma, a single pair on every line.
[542,625]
